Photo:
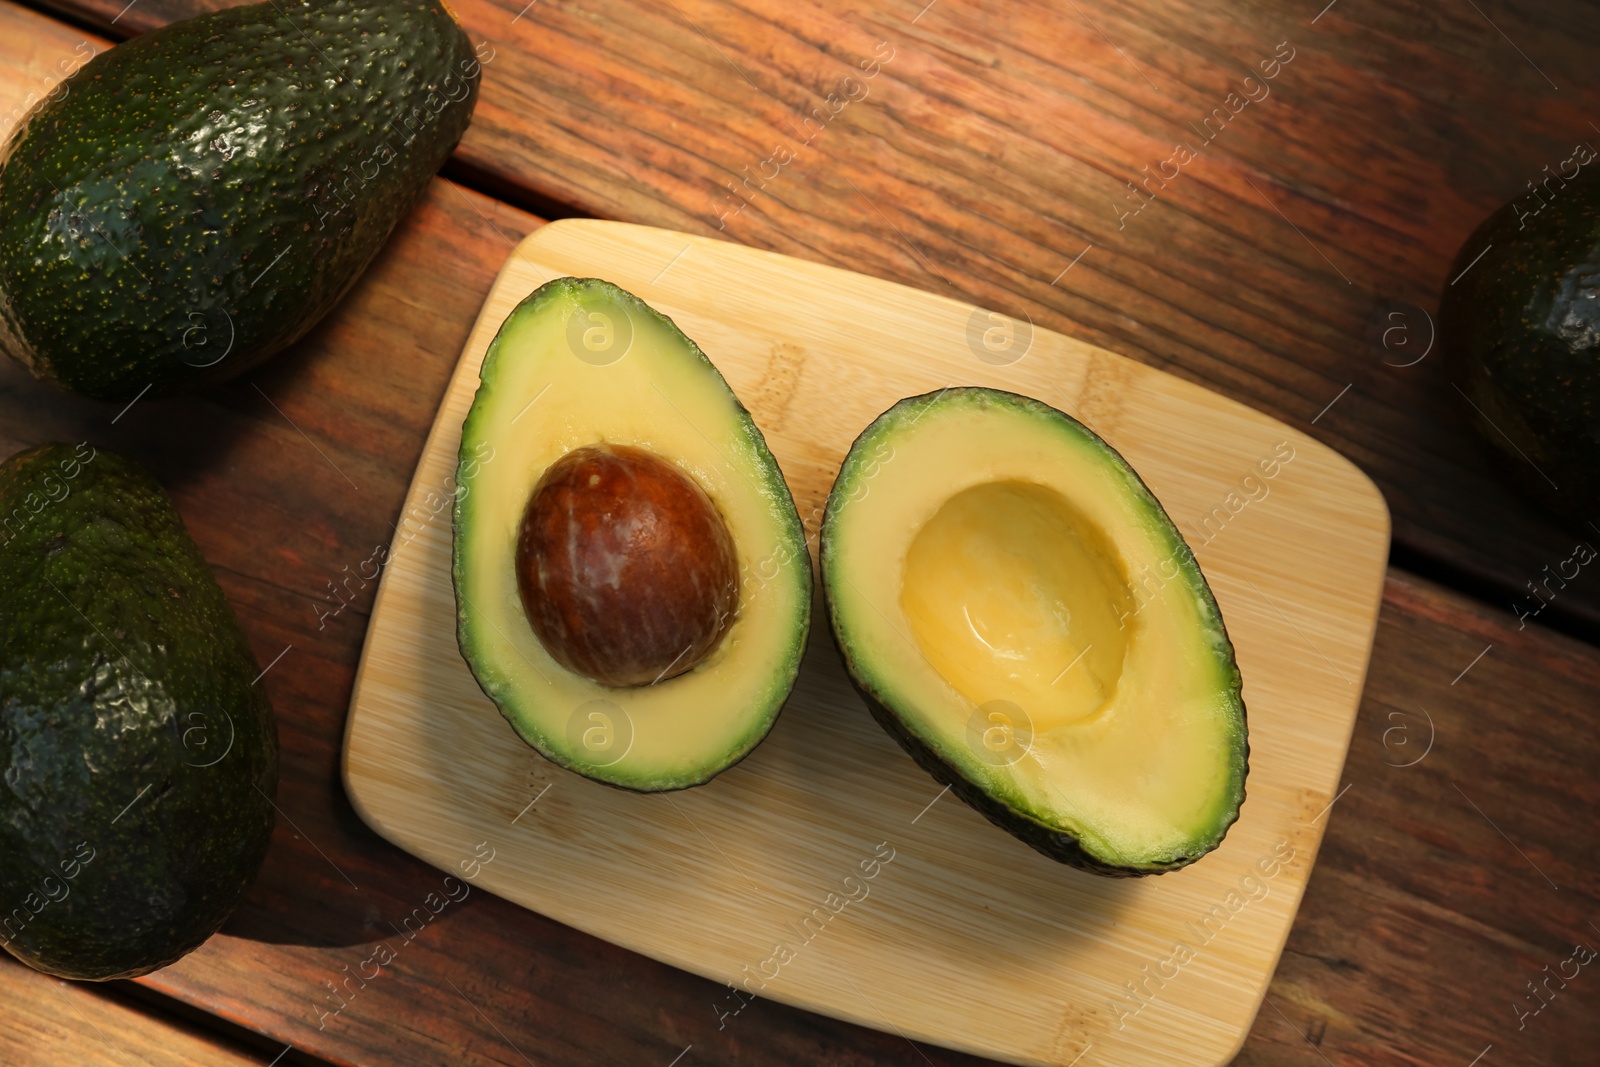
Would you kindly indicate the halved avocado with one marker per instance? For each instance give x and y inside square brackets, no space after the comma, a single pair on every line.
[1023,617]
[613,497]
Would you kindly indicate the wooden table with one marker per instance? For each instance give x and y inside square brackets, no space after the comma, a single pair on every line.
[1295,264]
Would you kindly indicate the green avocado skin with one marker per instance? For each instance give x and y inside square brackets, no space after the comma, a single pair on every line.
[1521,328]
[1063,848]
[138,759]
[196,199]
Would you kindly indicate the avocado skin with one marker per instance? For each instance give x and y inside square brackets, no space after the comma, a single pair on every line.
[116,647]
[1521,330]
[142,213]
[1059,846]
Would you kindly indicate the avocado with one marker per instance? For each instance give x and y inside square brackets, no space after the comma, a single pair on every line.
[139,756]
[633,586]
[200,196]
[1019,612]
[1520,326]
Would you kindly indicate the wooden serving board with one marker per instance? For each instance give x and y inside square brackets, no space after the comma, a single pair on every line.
[966,938]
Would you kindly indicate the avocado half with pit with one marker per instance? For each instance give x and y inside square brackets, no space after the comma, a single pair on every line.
[632,582]
[1023,617]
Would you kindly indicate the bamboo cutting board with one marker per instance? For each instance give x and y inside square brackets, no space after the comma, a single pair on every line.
[953,932]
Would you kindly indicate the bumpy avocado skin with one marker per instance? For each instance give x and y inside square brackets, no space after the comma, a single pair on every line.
[138,758]
[200,196]
[1521,328]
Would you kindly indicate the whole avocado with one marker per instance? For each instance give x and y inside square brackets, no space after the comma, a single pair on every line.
[199,197]
[1521,327]
[138,758]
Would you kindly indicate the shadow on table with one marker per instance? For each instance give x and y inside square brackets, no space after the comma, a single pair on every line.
[351,889]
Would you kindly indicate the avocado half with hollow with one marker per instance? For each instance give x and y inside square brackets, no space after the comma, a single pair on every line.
[632,582]
[1023,617]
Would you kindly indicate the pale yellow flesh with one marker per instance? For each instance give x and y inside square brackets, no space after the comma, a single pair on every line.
[991,561]
[658,397]
[1012,596]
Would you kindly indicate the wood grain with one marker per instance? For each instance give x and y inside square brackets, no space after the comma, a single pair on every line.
[430,763]
[50,1020]
[996,145]
[1418,930]
[1451,879]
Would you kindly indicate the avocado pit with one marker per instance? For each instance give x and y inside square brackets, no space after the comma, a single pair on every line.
[626,570]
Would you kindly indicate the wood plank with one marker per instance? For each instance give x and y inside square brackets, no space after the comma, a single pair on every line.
[1417,932]
[50,1021]
[997,144]
[1451,876]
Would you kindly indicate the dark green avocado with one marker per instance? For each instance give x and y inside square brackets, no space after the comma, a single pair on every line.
[138,758]
[200,196]
[1521,328]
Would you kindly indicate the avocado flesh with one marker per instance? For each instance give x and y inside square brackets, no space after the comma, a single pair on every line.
[199,197]
[980,556]
[543,393]
[138,757]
